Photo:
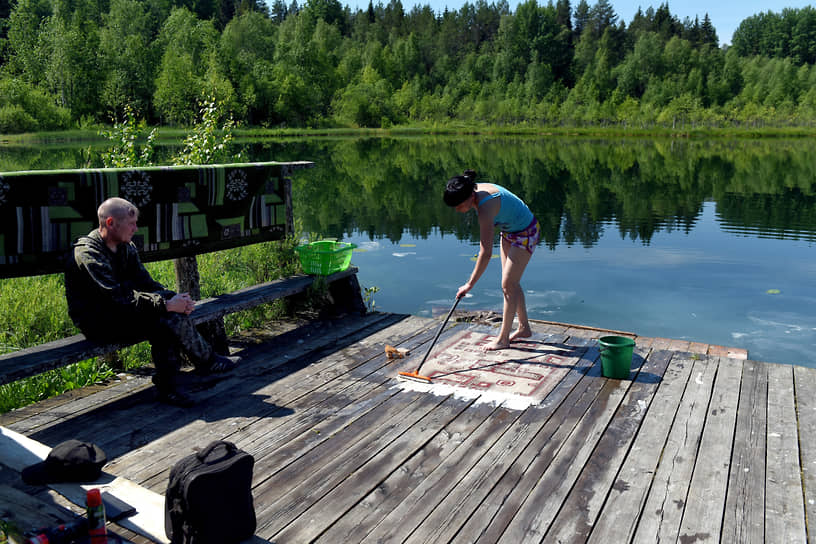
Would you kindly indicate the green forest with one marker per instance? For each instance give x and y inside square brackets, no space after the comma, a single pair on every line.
[67,64]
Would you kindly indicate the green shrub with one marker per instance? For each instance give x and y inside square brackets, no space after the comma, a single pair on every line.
[14,119]
[25,108]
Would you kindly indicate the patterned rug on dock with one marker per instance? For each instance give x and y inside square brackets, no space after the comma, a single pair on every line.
[516,377]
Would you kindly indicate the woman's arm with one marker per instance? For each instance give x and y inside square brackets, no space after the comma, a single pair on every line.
[486,215]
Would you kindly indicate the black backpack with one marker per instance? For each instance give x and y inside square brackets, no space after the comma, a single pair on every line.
[209,497]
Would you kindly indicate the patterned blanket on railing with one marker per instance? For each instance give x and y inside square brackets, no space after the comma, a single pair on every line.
[182,209]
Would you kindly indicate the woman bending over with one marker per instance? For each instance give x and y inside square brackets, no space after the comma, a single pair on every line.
[496,207]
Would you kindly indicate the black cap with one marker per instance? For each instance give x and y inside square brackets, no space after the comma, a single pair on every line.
[70,461]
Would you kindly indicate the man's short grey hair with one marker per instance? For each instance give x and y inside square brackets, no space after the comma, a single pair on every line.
[117,208]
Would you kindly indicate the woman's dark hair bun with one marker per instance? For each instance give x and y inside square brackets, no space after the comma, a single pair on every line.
[460,188]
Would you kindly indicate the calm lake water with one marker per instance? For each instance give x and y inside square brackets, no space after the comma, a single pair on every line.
[711,241]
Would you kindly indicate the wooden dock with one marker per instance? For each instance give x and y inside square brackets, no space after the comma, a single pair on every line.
[699,445]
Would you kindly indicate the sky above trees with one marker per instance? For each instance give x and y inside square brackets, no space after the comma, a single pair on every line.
[725,15]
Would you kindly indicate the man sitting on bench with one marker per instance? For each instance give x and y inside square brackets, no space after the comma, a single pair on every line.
[113,299]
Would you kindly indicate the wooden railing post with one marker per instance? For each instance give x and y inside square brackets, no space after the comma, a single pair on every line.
[187,278]
[290,214]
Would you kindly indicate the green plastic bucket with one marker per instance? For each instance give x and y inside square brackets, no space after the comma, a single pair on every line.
[616,356]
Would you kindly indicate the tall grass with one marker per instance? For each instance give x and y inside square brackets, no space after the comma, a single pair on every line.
[33,311]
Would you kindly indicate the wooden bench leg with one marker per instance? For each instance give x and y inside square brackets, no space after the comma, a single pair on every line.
[113,360]
[346,296]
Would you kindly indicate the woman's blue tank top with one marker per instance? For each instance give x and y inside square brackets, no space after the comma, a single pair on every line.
[514,215]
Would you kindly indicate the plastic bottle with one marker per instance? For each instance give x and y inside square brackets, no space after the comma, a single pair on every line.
[97,532]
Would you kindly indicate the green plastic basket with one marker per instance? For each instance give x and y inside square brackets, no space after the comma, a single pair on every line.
[325,257]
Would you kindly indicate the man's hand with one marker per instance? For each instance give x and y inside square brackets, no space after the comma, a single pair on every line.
[181,304]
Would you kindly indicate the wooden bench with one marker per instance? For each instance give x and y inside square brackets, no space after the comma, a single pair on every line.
[184,211]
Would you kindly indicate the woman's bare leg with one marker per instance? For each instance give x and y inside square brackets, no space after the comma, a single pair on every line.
[514,261]
[523,330]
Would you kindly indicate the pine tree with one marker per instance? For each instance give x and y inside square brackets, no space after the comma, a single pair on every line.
[563,12]
[279,11]
[580,19]
[707,32]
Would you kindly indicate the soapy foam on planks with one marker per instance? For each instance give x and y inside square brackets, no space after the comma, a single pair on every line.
[507,400]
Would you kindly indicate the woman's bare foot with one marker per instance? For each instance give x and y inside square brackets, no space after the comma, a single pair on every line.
[496,345]
[521,333]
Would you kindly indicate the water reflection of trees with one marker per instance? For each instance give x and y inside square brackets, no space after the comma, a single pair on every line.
[385,187]
[579,188]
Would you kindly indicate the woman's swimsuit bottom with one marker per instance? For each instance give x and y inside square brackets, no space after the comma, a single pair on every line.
[517,223]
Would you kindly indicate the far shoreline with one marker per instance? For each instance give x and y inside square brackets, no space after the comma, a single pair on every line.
[90,135]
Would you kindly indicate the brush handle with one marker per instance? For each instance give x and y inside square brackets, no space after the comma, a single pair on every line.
[438,333]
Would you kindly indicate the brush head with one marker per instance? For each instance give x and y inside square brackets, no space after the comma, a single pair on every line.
[414,376]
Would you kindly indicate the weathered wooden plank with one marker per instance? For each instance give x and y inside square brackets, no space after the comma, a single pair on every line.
[550,327]
[308,402]
[699,348]
[29,418]
[292,393]
[154,461]
[705,505]
[262,293]
[295,488]
[584,502]
[400,522]
[805,391]
[784,507]
[365,479]
[361,519]
[319,383]
[57,353]
[579,332]
[738,353]
[662,512]
[744,519]
[620,515]
[123,395]
[679,345]
[336,401]
[571,388]
[426,494]
[28,513]
[661,343]
[314,405]
[332,468]
[717,351]
[301,441]
[494,514]
[731,352]
[443,524]
[116,423]
[539,509]
[644,342]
